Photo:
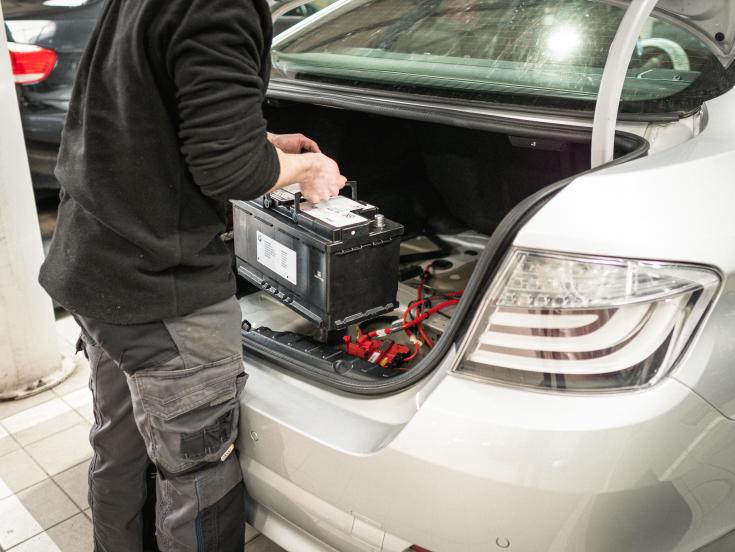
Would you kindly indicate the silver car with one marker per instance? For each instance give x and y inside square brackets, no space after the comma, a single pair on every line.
[567,168]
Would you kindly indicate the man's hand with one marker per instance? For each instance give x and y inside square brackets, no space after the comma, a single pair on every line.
[293,143]
[318,175]
[322,180]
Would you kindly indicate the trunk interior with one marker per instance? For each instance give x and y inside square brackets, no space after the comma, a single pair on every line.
[450,186]
[432,177]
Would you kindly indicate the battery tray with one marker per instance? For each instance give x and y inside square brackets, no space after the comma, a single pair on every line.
[306,352]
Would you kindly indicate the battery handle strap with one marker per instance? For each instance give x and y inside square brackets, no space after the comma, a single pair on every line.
[268,201]
[298,196]
[353,186]
[296,207]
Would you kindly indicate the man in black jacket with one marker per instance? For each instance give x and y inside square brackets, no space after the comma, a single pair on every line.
[165,123]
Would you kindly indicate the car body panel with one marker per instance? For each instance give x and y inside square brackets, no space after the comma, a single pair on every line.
[456,464]
[674,206]
[708,367]
[478,463]
[350,424]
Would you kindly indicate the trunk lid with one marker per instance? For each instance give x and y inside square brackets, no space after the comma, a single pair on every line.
[533,55]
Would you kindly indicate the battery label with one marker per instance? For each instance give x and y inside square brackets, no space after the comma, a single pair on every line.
[336,212]
[287,193]
[277,257]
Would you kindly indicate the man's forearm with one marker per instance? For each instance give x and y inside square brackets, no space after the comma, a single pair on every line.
[318,175]
[295,167]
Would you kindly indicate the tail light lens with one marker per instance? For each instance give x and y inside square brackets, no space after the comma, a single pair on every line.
[580,323]
[31,64]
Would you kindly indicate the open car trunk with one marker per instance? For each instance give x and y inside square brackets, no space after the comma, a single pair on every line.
[450,186]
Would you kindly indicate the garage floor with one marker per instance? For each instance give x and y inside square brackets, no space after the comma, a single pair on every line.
[44,453]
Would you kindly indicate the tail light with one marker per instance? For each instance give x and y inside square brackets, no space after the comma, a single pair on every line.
[571,322]
[31,64]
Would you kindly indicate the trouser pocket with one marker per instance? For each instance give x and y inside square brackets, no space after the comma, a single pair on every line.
[188,416]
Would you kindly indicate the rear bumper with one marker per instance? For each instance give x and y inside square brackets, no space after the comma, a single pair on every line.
[480,464]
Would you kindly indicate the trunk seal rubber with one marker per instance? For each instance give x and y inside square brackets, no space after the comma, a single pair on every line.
[280,86]
[487,265]
[437,113]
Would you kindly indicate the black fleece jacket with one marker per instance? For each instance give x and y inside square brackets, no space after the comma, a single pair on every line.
[165,123]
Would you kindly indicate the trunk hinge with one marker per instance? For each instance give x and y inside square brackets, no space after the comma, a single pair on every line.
[613,80]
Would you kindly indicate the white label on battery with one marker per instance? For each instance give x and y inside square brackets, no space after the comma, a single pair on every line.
[336,211]
[277,257]
[286,193]
[292,188]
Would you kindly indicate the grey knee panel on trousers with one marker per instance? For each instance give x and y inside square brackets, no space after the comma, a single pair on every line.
[184,379]
[181,411]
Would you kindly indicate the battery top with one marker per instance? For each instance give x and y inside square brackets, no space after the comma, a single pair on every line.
[336,212]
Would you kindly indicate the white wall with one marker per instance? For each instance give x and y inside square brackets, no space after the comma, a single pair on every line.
[29,350]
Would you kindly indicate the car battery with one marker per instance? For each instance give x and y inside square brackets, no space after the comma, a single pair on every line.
[335,263]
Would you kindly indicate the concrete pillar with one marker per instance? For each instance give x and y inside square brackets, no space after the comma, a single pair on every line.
[29,350]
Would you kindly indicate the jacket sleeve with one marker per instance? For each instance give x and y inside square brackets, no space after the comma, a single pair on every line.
[214,58]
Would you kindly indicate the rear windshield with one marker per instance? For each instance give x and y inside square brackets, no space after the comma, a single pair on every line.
[547,53]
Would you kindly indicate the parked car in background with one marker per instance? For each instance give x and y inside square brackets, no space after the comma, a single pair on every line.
[297,15]
[46,39]
[580,397]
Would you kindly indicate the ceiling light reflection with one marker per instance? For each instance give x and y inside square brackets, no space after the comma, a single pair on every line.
[563,43]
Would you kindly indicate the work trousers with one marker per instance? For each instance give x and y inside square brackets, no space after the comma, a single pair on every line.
[167,392]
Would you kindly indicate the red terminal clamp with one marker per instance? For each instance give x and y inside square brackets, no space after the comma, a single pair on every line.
[385,353]
[388,353]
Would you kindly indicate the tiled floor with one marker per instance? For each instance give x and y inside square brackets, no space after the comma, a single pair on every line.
[44,453]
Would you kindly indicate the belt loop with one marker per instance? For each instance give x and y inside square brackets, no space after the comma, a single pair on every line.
[80,347]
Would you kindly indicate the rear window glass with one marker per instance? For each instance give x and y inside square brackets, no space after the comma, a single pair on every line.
[548,53]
